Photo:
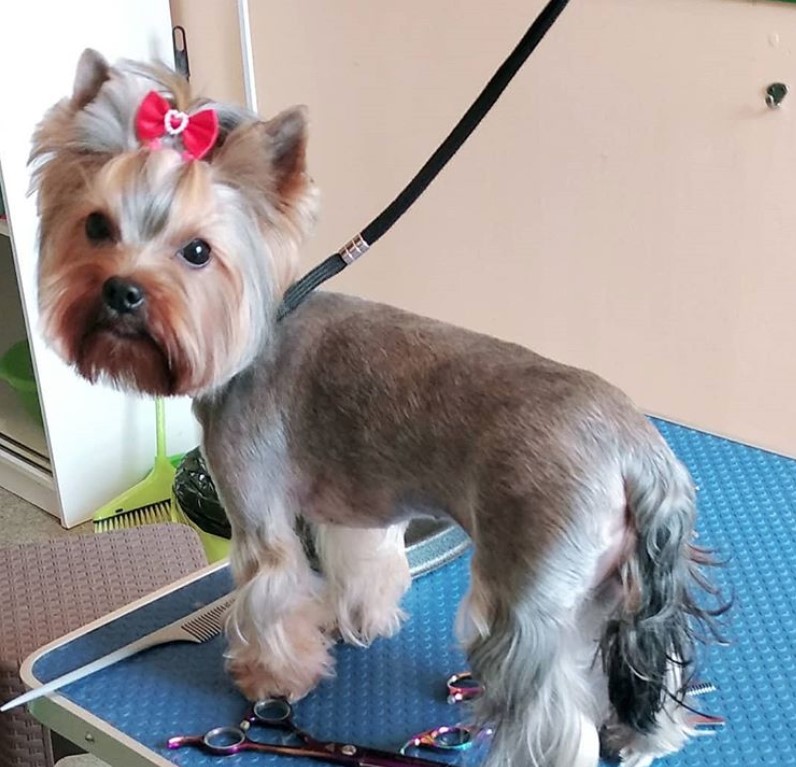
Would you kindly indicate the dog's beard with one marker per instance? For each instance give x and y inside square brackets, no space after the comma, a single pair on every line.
[122,349]
[124,352]
[180,342]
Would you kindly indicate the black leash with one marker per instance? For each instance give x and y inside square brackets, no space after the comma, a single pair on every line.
[355,247]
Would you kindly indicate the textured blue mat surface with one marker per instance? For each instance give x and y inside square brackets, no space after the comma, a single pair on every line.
[396,688]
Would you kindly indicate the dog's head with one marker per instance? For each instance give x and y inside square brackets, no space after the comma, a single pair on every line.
[169,227]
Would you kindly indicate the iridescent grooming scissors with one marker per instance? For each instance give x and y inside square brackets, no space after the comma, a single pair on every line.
[459,737]
[464,687]
[277,714]
[703,724]
[456,737]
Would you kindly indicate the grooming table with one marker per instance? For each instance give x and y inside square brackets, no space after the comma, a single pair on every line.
[383,695]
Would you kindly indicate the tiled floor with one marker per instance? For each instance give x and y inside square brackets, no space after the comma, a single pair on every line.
[21,522]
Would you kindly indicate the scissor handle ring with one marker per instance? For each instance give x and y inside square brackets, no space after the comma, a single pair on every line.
[463,686]
[439,739]
[282,708]
[463,679]
[442,738]
[234,738]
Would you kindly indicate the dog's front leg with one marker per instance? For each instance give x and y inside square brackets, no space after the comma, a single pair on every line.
[367,574]
[276,629]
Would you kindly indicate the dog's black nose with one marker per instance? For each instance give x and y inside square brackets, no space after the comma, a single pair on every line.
[123,296]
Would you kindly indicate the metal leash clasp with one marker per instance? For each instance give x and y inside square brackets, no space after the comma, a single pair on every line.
[353,249]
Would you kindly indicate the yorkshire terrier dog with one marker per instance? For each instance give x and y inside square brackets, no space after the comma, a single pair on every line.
[169,231]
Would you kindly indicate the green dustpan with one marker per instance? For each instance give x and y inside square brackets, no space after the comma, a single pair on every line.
[149,501]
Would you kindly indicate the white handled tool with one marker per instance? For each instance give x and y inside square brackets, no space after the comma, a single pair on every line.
[201,626]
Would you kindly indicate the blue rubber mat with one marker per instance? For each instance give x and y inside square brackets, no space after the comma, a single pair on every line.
[396,688]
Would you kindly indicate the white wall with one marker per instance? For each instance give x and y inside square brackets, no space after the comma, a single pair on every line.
[100,441]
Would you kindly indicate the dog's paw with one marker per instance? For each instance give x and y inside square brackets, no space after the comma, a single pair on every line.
[370,605]
[620,744]
[257,680]
[287,660]
[362,625]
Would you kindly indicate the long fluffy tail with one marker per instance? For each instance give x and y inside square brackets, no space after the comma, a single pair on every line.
[656,624]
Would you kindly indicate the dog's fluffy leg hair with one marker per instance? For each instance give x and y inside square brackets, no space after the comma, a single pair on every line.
[367,574]
[276,628]
[519,625]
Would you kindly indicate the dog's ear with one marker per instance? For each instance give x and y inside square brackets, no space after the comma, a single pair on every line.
[267,157]
[287,139]
[92,71]
[55,131]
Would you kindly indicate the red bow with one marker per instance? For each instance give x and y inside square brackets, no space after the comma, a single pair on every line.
[156,118]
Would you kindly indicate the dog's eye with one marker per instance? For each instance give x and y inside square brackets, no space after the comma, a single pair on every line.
[98,227]
[196,252]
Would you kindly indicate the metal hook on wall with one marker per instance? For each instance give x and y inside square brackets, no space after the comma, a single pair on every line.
[775,94]
[179,42]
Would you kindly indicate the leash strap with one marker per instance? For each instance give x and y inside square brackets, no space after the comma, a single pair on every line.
[357,246]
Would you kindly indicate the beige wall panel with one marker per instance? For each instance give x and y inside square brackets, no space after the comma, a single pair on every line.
[213,46]
[629,205]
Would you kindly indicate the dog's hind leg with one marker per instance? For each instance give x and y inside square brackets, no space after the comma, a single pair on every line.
[536,699]
[520,627]
[367,574]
